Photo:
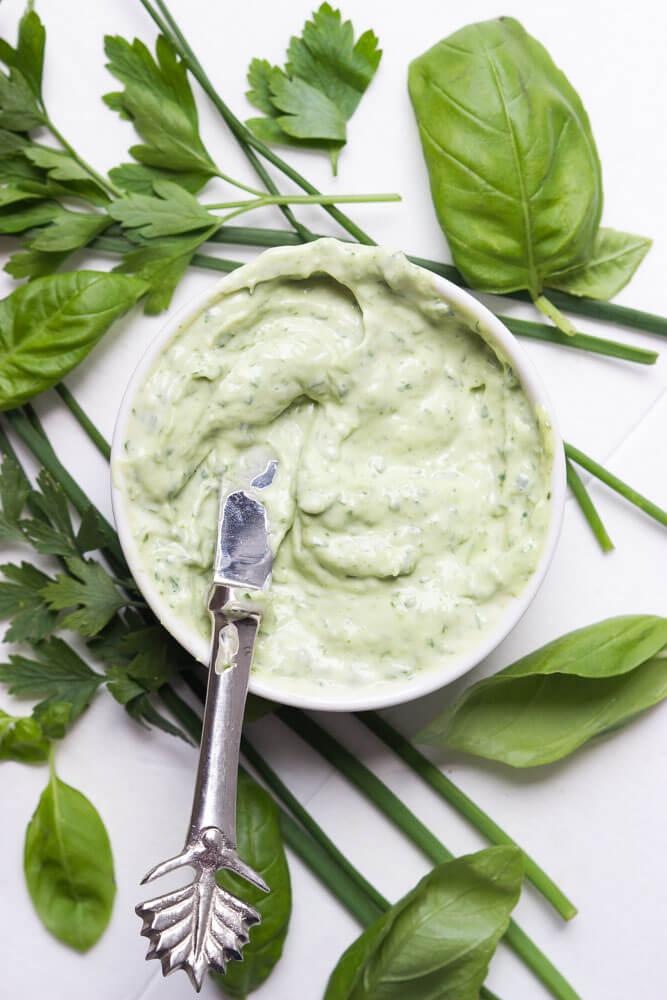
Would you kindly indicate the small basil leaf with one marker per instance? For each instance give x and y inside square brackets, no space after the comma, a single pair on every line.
[514,171]
[615,258]
[549,703]
[435,943]
[68,866]
[50,325]
[260,845]
[54,718]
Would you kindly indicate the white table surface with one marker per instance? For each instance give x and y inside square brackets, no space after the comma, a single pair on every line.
[596,821]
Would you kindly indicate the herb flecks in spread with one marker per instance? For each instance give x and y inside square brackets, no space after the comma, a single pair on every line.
[411,500]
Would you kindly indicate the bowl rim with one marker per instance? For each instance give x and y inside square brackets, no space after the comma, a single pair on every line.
[395,692]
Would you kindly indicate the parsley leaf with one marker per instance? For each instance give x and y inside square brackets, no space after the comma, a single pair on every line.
[171,211]
[69,231]
[326,75]
[91,534]
[28,216]
[22,739]
[57,672]
[22,601]
[158,99]
[139,179]
[19,111]
[144,712]
[28,56]
[90,590]
[14,491]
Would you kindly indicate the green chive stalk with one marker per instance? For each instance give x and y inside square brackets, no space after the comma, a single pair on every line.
[609,479]
[582,497]
[447,790]
[395,810]
[594,308]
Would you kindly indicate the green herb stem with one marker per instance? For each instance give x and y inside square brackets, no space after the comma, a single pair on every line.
[434,777]
[555,315]
[282,792]
[609,479]
[356,772]
[303,199]
[580,341]
[104,183]
[27,426]
[582,497]
[91,430]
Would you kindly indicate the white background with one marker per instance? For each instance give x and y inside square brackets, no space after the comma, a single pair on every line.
[596,822]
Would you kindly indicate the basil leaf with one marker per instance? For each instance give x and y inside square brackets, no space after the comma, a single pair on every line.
[552,701]
[68,866]
[260,845]
[514,171]
[616,256]
[50,325]
[435,943]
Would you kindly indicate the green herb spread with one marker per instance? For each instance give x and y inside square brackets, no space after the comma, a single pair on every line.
[412,497]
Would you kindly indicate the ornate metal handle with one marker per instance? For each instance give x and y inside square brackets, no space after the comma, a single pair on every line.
[201,926]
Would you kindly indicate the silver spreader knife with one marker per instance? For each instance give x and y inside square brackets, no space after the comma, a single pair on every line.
[202,926]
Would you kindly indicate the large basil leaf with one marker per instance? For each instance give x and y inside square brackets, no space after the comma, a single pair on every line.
[616,257]
[552,701]
[68,866]
[50,325]
[514,171]
[260,845]
[435,943]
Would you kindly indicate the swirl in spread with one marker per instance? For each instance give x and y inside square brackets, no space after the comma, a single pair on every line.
[412,497]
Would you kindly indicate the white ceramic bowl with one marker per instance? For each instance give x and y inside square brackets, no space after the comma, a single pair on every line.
[393,692]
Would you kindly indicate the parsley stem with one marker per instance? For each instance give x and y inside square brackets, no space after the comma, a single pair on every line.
[609,479]
[582,497]
[303,199]
[105,184]
[238,184]
[447,790]
[356,772]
